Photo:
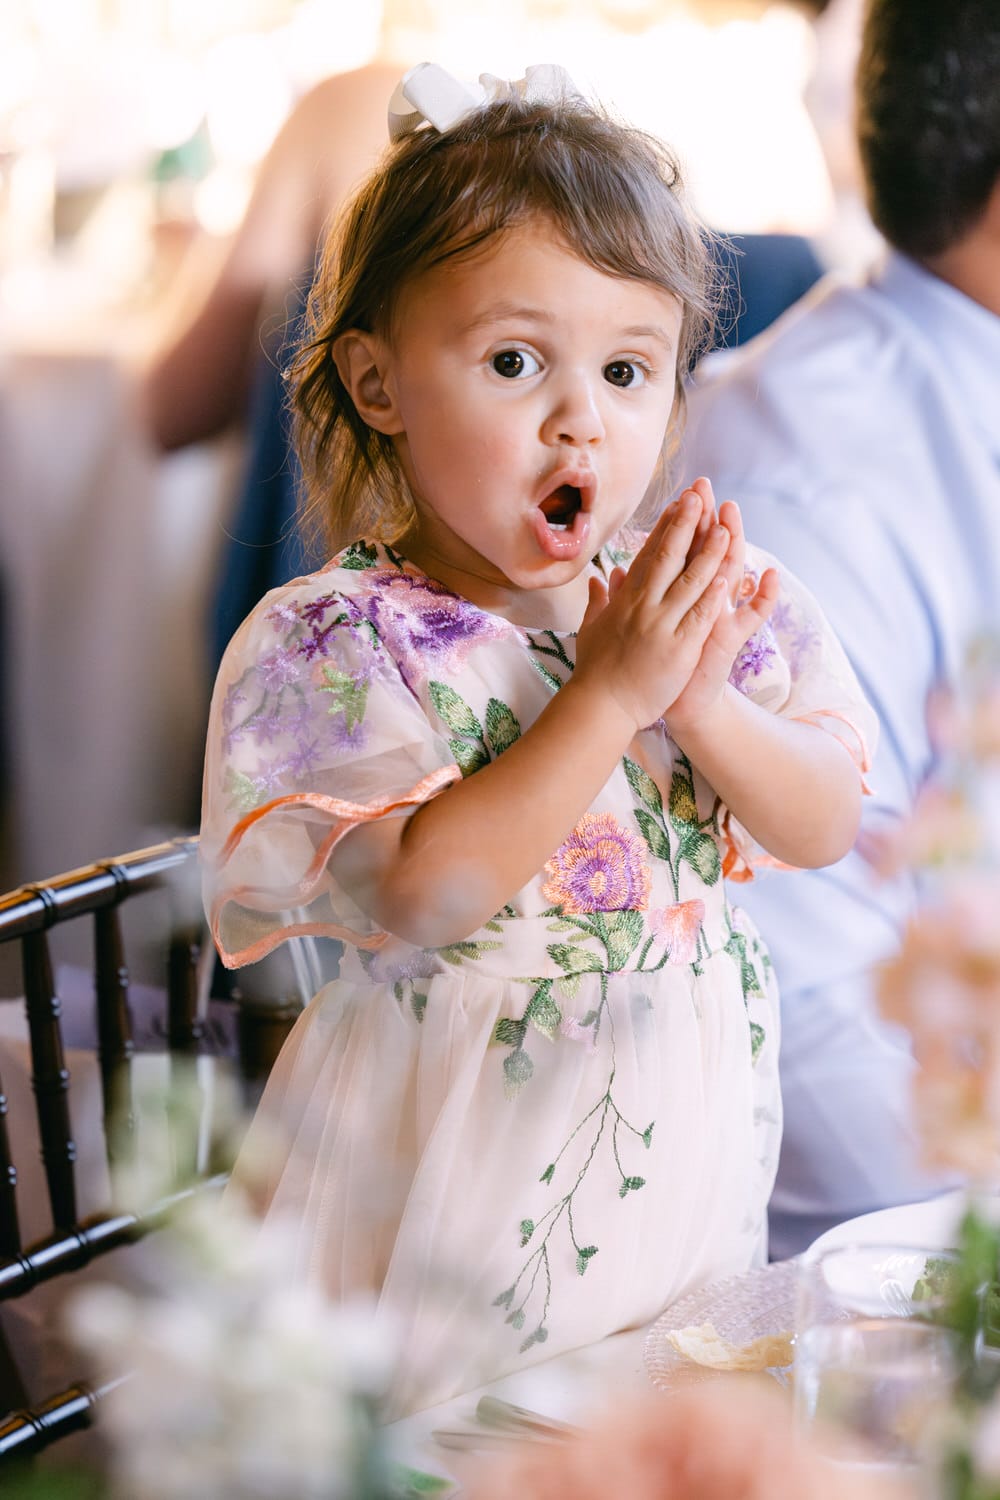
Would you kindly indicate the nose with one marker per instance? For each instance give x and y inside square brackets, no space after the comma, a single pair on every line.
[574,417]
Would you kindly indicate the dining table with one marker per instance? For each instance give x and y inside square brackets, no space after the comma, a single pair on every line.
[575,1387]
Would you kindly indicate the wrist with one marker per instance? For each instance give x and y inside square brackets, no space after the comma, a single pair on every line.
[601,707]
[709,722]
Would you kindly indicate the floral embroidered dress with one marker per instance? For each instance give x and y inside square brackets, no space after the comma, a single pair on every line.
[552,1128]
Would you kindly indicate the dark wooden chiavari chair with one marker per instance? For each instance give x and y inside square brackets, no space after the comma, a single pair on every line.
[98,891]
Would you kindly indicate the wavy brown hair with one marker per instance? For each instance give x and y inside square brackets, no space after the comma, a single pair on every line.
[611,192]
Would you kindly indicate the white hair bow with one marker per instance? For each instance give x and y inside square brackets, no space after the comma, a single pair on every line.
[428,95]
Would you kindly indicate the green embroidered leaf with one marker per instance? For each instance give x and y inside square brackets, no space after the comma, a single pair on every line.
[454,953]
[543,1012]
[418,1004]
[502,728]
[539,1336]
[397,990]
[702,854]
[492,925]
[517,1068]
[505,1298]
[509,1032]
[656,840]
[631,1185]
[548,1173]
[469,756]
[359,555]
[454,710]
[569,985]
[736,947]
[349,695]
[527,1230]
[241,790]
[549,678]
[623,929]
[643,786]
[757,1038]
[584,1256]
[516,1319]
[575,960]
[683,807]
[647,1134]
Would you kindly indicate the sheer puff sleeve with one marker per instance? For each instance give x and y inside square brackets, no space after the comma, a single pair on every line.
[312,730]
[796,667]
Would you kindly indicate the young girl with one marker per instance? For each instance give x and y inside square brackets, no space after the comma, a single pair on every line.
[506,750]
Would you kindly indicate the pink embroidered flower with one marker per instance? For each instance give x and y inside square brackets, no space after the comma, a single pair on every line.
[575,1031]
[678,926]
[600,867]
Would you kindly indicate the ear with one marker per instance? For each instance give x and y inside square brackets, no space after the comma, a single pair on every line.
[364,364]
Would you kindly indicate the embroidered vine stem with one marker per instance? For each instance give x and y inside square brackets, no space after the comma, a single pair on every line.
[538,1260]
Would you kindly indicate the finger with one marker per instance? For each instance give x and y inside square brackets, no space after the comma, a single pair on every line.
[617,578]
[699,620]
[735,561]
[665,550]
[597,598]
[698,572]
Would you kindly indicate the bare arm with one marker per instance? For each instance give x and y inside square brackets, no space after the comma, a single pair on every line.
[793,786]
[437,876]
[197,381]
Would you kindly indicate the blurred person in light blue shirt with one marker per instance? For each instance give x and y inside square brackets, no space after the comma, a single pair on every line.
[861,436]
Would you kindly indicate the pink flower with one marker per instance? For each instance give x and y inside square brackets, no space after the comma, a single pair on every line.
[600,867]
[730,1440]
[678,926]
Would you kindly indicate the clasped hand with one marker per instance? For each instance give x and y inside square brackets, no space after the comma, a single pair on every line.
[662,638]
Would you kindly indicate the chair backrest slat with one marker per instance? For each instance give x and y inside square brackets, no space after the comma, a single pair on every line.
[50,1079]
[10,1233]
[114,1030]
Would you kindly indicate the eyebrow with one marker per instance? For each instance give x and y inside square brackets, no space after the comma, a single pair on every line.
[504,310]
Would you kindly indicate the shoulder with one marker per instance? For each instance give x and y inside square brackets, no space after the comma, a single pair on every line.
[820,402]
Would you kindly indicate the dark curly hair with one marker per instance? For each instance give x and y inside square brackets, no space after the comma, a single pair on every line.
[610,191]
[928,118]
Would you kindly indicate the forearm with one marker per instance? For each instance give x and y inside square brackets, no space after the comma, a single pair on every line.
[442,873]
[793,786]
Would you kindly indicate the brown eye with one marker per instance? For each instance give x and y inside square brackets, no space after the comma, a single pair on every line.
[620,372]
[509,363]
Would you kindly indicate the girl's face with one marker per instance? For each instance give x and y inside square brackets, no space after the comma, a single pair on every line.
[530,397]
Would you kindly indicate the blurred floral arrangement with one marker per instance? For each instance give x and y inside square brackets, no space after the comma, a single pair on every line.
[223,1373]
[944,988]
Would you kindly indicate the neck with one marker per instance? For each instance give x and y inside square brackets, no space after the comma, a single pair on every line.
[972,264]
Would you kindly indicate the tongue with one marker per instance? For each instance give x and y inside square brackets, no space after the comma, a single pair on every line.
[561,506]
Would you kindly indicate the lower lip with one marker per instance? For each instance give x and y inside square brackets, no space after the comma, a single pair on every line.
[561,546]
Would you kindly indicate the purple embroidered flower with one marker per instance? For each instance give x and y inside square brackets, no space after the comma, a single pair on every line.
[758,653]
[278,669]
[799,634]
[282,616]
[234,697]
[424,625]
[600,867]
[314,611]
[345,735]
[305,758]
[265,728]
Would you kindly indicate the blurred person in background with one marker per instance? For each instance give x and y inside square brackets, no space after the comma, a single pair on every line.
[861,436]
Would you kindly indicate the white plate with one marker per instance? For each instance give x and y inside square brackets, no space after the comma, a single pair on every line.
[931,1225]
[740,1308]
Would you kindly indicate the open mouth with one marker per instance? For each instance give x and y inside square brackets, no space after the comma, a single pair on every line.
[561,508]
